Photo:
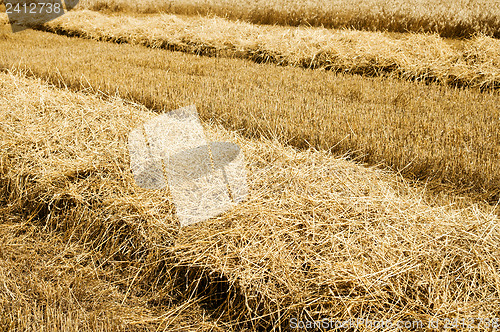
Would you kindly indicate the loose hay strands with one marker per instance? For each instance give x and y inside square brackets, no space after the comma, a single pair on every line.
[76,247]
[449,18]
[429,58]
[319,237]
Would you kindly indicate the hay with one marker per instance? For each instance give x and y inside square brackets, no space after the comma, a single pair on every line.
[420,57]
[449,18]
[319,237]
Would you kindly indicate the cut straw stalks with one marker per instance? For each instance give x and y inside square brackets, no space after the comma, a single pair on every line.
[318,237]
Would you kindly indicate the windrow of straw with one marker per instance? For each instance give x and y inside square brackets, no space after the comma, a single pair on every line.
[473,63]
[318,237]
[448,18]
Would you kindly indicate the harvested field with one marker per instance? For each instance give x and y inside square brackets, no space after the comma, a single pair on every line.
[318,236]
[448,137]
[373,200]
[448,18]
[417,57]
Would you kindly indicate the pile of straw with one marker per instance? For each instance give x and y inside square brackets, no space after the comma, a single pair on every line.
[318,237]
[421,57]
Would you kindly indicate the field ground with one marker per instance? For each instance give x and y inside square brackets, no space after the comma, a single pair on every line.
[448,137]
[352,241]
[449,18]
[470,63]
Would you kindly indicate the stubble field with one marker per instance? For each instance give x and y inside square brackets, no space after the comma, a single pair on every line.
[447,137]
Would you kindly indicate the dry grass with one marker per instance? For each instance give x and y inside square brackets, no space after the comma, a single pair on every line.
[449,18]
[473,63]
[446,136]
[61,269]
[319,237]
